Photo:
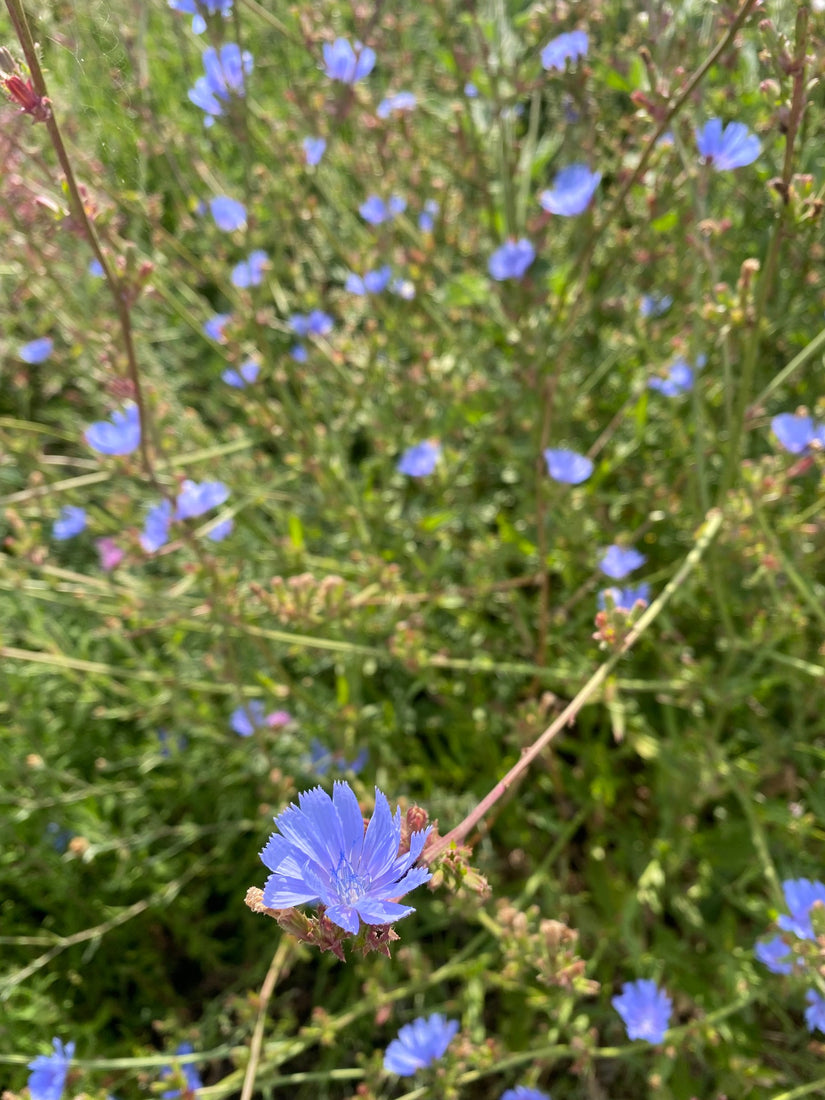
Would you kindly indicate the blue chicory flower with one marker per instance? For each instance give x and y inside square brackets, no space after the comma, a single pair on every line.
[244,376]
[37,351]
[223,77]
[120,435]
[567,466]
[470,90]
[195,499]
[156,527]
[556,53]
[49,1071]
[624,599]
[618,561]
[419,460]
[401,101]
[511,260]
[96,269]
[191,1076]
[229,214]
[419,1044]
[728,148]
[679,380]
[314,149]
[572,190]
[321,759]
[426,219]
[58,837]
[299,353]
[345,63]
[522,1092]
[776,955]
[372,282]
[645,1010]
[653,305]
[250,272]
[245,720]
[316,323]
[800,895]
[221,530]
[196,8]
[796,433]
[214,327]
[375,211]
[321,854]
[815,1012]
[71,522]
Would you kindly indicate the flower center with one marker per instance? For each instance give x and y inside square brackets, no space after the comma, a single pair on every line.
[349,885]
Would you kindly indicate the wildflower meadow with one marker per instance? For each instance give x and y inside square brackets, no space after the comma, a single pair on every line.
[412,450]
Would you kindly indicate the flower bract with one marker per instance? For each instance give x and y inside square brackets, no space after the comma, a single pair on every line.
[120,435]
[565,47]
[729,147]
[572,190]
[567,466]
[321,854]
[645,1010]
[48,1072]
[419,1044]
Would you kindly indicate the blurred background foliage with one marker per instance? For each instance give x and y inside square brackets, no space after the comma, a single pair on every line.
[408,617]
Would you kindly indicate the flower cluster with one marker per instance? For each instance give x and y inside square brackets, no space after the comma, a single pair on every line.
[798,951]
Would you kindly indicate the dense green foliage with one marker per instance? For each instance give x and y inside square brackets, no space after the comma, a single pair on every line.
[442,622]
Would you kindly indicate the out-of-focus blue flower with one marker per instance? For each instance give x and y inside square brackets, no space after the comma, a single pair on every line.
[404,288]
[58,836]
[567,466]
[110,554]
[522,1092]
[321,759]
[645,1010]
[194,499]
[120,435]
[426,219]
[316,323]
[245,375]
[375,211]
[776,955]
[800,895]
[572,190]
[224,77]
[250,272]
[679,380]
[470,90]
[652,305]
[618,561]
[37,351]
[372,282]
[221,530]
[214,327]
[556,53]
[815,1012]
[728,148]
[314,149]
[797,433]
[321,854]
[196,8]
[71,522]
[624,599]
[245,720]
[419,1044]
[347,64]
[48,1072]
[511,260]
[193,1081]
[299,353]
[419,460]
[96,269]
[156,527]
[229,214]
[401,101]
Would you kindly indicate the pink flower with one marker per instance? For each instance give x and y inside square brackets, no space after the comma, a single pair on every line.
[111,554]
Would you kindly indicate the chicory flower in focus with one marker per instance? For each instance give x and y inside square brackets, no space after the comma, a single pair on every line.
[645,1010]
[728,148]
[570,46]
[48,1076]
[567,466]
[419,1044]
[250,272]
[618,561]
[419,460]
[314,148]
[120,435]
[71,522]
[345,63]
[37,351]
[224,77]
[229,214]
[322,855]
[511,260]
[572,190]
